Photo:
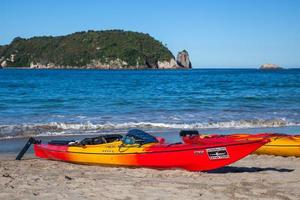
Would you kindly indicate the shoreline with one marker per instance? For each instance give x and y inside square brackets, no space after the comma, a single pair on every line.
[159,69]
[254,177]
[96,68]
[14,144]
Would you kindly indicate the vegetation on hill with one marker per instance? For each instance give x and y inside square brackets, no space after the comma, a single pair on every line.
[81,49]
[1,49]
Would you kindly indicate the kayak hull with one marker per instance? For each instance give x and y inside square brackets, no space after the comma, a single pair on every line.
[163,156]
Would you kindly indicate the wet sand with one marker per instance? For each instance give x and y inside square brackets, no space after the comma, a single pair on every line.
[254,177]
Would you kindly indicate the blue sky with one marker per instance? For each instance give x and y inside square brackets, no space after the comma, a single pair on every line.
[217,33]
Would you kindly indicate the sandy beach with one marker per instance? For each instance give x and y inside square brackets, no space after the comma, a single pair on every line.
[254,177]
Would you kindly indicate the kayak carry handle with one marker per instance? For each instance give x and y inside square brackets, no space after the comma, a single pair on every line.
[26,147]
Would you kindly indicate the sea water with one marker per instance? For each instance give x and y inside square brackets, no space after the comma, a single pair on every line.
[62,102]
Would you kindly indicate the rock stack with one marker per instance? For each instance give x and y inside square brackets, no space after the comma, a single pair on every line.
[183,59]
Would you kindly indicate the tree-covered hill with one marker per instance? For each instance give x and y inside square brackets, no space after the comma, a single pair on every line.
[91,49]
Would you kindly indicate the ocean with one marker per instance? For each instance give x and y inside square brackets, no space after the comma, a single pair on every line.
[84,102]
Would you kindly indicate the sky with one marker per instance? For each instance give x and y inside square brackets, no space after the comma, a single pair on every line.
[216,33]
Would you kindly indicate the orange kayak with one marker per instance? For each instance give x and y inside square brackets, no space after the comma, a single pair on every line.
[139,149]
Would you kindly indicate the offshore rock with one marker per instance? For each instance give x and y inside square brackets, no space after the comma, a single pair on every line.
[183,59]
[269,66]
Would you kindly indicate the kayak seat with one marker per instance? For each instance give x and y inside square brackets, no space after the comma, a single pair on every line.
[184,133]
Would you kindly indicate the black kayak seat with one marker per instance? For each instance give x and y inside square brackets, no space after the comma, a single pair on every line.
[89,141]
[184,133]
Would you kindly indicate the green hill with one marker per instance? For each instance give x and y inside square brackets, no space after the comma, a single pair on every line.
[91,49]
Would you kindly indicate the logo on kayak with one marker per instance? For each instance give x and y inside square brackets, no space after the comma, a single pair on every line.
[200,152]
[217,153]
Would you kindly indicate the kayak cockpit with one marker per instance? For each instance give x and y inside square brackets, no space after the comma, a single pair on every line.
[102,139]
[134,136]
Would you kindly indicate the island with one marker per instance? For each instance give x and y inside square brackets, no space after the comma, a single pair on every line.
[269,66]
[109,49]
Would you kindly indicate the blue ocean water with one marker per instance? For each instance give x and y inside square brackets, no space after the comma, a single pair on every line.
[55,102]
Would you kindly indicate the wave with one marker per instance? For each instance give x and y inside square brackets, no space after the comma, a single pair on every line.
[56,128]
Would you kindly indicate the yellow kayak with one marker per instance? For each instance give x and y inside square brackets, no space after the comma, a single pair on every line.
[280,144]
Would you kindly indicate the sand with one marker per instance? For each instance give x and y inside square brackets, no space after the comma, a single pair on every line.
[254,177]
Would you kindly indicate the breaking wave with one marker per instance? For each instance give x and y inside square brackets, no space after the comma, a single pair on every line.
[55,128]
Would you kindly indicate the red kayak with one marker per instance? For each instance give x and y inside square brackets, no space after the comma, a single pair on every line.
[139,149]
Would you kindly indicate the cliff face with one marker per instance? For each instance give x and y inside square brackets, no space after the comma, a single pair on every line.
[2,59]
[114,49]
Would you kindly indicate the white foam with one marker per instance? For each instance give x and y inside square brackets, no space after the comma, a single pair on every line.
[57,128]
[229,124]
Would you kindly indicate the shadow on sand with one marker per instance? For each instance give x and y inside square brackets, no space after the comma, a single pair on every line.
[232,169]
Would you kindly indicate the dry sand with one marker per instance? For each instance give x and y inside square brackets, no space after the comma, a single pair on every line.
[255,177]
